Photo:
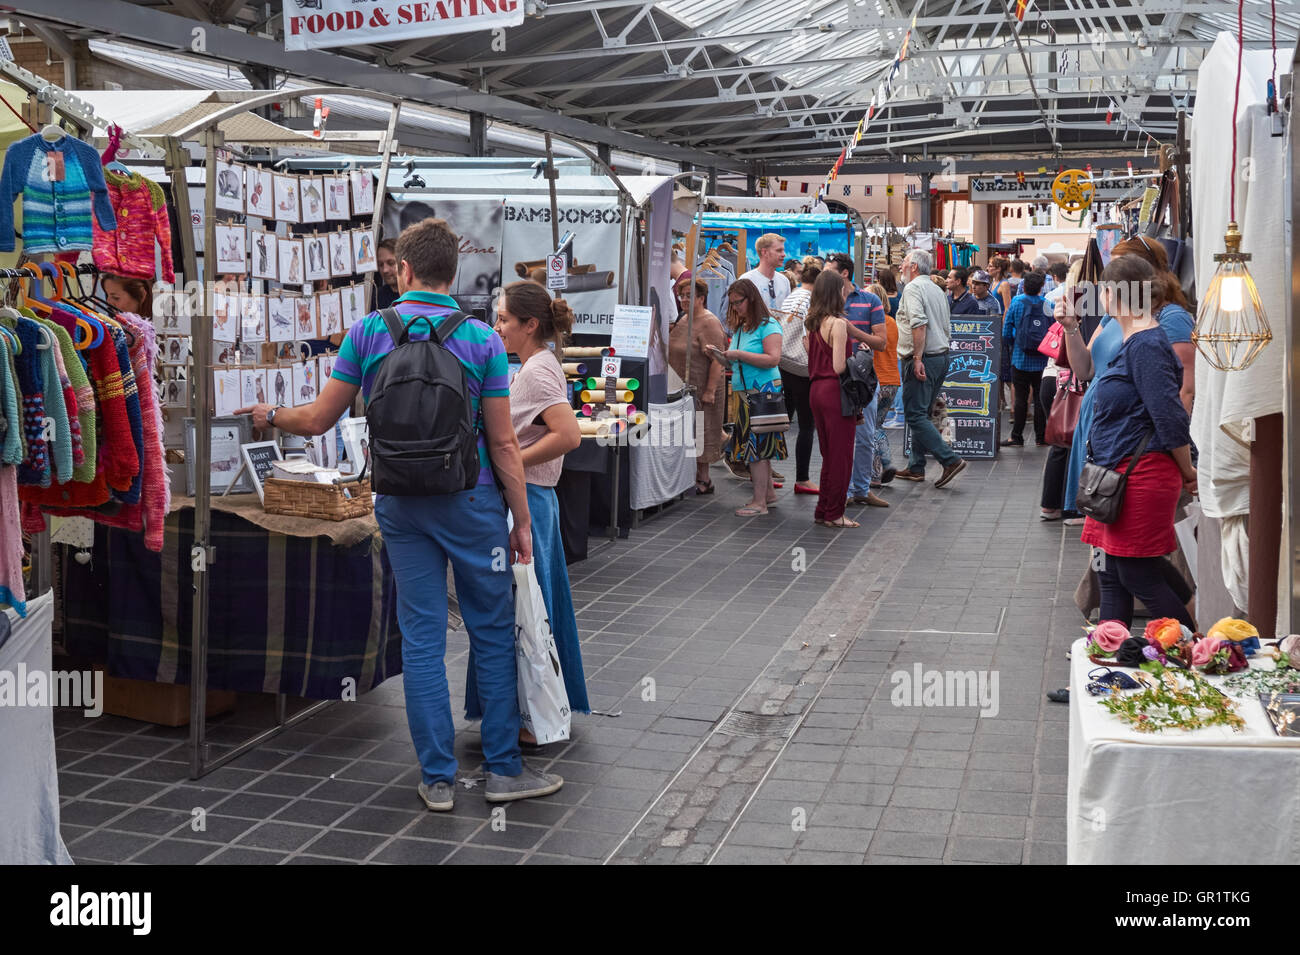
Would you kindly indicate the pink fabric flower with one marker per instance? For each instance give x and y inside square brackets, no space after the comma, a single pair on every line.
[1205,649]
[1109,634]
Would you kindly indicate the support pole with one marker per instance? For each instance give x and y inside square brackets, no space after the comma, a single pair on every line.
[477,134]
[925,202]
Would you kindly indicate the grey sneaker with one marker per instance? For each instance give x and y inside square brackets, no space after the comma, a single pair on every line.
[526,785]
[439,797]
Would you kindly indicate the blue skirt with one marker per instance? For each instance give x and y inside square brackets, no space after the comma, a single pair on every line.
[553,578]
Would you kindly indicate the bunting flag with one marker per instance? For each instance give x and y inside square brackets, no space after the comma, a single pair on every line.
[784,184]
[803,187]
[1022,7]
[1110,112]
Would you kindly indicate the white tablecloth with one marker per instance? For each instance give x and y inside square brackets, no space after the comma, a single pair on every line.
[29,782]
[1209,796]
[663,462]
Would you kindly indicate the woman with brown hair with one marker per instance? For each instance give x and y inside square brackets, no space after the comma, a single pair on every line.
[527,320]
[706,375]
[828,355]
[129,295]
[754,352]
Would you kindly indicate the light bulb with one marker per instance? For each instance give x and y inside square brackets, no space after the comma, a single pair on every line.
[1230,294]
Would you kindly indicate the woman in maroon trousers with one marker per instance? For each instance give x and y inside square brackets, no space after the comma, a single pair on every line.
[828,353]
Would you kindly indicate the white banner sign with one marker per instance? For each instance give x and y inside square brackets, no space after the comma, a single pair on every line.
[1039,188]
[315,24]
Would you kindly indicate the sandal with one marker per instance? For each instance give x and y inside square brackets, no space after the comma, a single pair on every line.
[842,523]
[703,487]
[750,510]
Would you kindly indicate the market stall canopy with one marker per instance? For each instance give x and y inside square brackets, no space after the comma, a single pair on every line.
[164,112]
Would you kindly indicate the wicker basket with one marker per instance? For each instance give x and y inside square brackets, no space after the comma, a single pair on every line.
[320,501]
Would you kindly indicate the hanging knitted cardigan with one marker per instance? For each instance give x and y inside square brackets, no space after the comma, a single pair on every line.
[11,543]
[59,446]
[133,466]
[141,211]
[83,400]
[12,446]
[69,399]
[150,514]
[35,467]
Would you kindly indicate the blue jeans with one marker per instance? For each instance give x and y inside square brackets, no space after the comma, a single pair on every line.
[884,402]
[918,396]
[864,451]
[421,534]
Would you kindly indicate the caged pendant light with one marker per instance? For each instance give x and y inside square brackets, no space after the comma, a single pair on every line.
[1231,327]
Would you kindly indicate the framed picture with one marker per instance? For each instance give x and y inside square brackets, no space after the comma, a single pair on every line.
[305,310]
[316,252]
[175,388]
[228,433]
[259,192]
[354,305]
[356,443]
[363,250]
[171,313]
[259,458]
[363,192]
[266,264]
[279,385]
[288,207]
[313,198]
[252,386]
[225,316]
[329,313]
[340,254]
[225,391]
[281,315]
[174,350]
[232,253]
[292,269]
[337,205]
[230,186]
[252,313]
[304,382]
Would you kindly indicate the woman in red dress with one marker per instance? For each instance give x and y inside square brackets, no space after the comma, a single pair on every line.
[828,352]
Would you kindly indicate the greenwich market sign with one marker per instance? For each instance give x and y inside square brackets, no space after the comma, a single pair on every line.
[1039,188]
[316,24]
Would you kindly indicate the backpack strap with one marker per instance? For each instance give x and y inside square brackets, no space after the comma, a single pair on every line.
[394,323]
[448,326]
[399,329]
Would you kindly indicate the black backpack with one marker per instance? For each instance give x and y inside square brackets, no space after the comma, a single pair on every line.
[1032,326]
[858,382]
[423,437]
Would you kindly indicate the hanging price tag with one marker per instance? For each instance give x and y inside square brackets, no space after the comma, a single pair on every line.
[54,168]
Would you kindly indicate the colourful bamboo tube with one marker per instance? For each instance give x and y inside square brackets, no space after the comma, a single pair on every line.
[631,383]
[588,427]
[617,410]
[587,352]
[575,368]
[597,395]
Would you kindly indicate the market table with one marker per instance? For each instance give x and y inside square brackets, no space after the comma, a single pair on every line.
[296,606]
[1202,797]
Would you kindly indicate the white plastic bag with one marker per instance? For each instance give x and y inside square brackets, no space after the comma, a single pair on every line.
[543,701]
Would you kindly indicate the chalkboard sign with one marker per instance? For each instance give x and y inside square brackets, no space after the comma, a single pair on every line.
[259,459]
[971,386]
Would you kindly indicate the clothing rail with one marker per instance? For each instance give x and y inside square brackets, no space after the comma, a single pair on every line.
[28,273]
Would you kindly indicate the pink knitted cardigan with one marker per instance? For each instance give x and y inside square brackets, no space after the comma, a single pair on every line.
[141,212]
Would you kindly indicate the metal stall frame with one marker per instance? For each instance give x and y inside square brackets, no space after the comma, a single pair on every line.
[1291,474]
[202,553]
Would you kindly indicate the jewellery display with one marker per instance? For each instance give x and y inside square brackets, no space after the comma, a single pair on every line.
[1183,701]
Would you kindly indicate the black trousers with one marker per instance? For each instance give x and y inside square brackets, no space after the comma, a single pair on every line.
[1026,384]
[1058,459]
[797,405]
[1153,580]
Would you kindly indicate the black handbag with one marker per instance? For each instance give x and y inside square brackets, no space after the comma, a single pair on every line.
[858,383]
[1101,490]
[767,414]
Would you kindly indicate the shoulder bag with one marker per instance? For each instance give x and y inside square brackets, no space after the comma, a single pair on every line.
[1064,414]
[1101,490]
[767,414]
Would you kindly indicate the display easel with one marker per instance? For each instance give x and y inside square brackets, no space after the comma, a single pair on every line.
[206,132]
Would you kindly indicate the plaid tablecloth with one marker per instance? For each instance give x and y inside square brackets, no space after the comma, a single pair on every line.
[296,615]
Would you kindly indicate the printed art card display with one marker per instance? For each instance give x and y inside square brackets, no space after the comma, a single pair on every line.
[326,364]
[282,314]
[230,186]
[304,382]
[252,311]
[337,205]
[363,250]
[174,350]
[279,385]
[354,305]
[266,262]
[232,255]
[252,386]
[363,192]
[340,254]
[329,312]
[225,316]
[174,389]
[225,391]
[316,252]
[305,326]
[288,206]
[171,314]
[260,192]
[292,269]
[313,198]
[356,443]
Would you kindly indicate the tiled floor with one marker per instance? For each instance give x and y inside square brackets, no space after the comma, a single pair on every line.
[793,629]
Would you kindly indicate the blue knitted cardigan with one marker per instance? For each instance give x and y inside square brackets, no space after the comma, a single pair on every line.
[56,215]
[35,467]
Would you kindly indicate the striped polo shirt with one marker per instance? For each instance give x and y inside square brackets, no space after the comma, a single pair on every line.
[475,345]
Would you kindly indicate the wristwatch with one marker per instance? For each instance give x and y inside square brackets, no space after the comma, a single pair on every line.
[270,415]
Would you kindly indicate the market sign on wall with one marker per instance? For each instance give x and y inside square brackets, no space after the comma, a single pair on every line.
[315,24]
[1039,188]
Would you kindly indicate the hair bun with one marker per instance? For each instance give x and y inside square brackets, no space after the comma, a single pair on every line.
[561,316]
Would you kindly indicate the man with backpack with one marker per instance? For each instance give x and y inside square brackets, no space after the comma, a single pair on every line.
[438,431]
[1025,325]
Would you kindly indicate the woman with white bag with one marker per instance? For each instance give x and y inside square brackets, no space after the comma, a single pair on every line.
[527,317]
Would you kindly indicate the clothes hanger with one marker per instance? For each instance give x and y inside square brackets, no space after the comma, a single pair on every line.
[31,297]
[52,133]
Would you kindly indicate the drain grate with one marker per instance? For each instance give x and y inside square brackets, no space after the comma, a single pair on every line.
[760,725]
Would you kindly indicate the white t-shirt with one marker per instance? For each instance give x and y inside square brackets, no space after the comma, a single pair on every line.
[779,284]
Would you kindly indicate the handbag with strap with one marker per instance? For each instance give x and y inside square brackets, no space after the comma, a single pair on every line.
[1101,490]
[1064,414]
[1053,342]
[767,414]
[858,383]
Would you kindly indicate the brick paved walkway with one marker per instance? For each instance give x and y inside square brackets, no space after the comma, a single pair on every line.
[752,665]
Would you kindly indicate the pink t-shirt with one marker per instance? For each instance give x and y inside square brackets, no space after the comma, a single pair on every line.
[539,384]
